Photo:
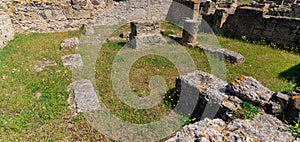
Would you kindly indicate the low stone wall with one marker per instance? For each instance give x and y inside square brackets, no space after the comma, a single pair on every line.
[132,10]
[42,16]
[53,16]
[254,25]
[6,30]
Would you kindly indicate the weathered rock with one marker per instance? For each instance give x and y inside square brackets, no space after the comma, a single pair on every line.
[145,34]
[6,30]
[293,109]
[40,65]
[278,103]
[230,56]
[72,61]
[69,43]
[261,128]
[249,89]
[190,31]
[85,97]
[266,26]
[207,92]
[78,4]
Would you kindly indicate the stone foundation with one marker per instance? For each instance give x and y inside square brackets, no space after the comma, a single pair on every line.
[145,34]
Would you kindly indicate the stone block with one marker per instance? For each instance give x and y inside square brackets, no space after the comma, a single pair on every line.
[85,96]
[230,56]
[207,92]
[144,28]
[72,61]
[190,31]
[145,34]
[249,89]
[6,30]
[146,41]
[261,128]
[69,43]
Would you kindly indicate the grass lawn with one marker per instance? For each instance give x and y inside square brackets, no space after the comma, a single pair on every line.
[34,105]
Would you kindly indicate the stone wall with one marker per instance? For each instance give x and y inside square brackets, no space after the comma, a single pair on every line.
[56,16]
[253,24]
[131,10]
[6,30]
[40,16]
[256,26]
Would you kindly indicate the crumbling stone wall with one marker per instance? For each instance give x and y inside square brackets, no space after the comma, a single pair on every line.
[39,16]
[253,24]
[131,10]
[57,16]
[6,30]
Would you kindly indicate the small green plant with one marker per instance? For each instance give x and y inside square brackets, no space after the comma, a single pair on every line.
[289,87]
[247,111]
[295,129]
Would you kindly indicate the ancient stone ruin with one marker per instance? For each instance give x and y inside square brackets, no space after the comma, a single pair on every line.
[261,128]
[255,22]
[145,34]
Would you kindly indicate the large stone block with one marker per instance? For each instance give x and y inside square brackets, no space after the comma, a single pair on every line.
[207,92]
[85,97]
[72,61]
[144,28]
[146,41]
[249,89]
[145,35]
[190,31]
[261,128]
[6,30]
[228,55]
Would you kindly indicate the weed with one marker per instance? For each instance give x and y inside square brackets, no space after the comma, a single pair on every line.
[247,111]
[295,129]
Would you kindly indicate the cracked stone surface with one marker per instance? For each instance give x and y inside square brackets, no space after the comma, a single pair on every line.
[261,128]
[72,61]
[249,89]
[83,97]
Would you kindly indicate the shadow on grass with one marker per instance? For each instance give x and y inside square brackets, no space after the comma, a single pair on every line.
[292,74]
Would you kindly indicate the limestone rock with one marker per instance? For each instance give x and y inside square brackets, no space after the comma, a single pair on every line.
[230,56]
[207,92]
[6,30]
[190,31]
[72,61]
[249,89]
[261,128]
[85,97]
[69,43]
[145,34]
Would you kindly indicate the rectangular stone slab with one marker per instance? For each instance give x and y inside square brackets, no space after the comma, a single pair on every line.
[86,99]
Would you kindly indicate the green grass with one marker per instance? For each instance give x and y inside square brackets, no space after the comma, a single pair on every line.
[24,116]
